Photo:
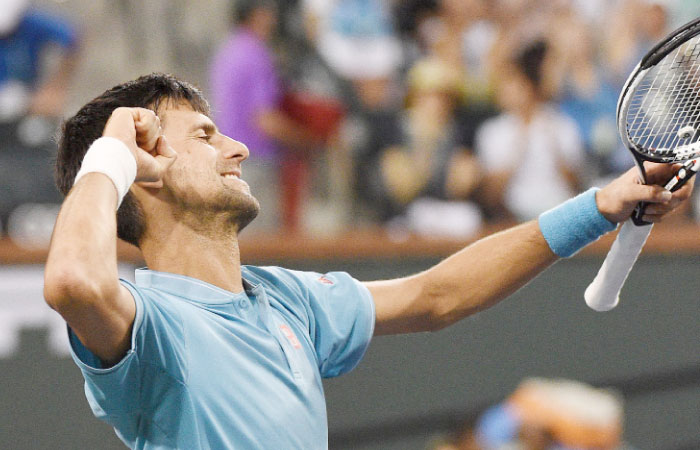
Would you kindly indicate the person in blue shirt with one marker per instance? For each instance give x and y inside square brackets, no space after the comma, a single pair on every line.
[203,352]
[25,84]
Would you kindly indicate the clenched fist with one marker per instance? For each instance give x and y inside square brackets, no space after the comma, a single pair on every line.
[139,129]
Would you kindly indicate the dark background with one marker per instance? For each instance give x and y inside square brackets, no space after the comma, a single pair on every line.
[410,388]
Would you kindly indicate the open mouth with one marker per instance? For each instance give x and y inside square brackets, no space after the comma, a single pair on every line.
[236,177]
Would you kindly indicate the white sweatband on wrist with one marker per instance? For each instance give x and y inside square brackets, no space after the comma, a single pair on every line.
[569,227]
[111,157]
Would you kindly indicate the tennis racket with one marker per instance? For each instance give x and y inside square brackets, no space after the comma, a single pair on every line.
[658,117]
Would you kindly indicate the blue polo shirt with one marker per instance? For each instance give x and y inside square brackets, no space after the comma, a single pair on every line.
[212,369]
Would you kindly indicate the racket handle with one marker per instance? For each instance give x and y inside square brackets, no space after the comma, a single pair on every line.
[684,174]
[603,293]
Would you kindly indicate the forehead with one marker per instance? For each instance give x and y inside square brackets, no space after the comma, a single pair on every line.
[183,117]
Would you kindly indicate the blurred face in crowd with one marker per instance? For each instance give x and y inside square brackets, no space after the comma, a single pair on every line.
[653,20]
[573,39]
[463,9]
[434,104]
[264,20]
[516,94]
[206,176]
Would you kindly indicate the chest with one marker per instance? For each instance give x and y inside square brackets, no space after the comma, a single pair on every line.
[251,352]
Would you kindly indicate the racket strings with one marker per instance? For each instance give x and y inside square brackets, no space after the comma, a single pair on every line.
[663,118]
[672,102]
[688,98]
[650,104]
[669,95]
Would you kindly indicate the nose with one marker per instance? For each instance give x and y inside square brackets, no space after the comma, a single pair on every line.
[232,149]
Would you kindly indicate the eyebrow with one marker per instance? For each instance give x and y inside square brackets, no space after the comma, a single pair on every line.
[208,127]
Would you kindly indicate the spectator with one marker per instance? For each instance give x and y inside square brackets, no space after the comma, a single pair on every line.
[25,85]
[33,93]
[464,36]
[548,414]
[415,21]
[632,29]
[247,96]
[426,172]
[459,32]
[357,40]
[588,94]
[531,153]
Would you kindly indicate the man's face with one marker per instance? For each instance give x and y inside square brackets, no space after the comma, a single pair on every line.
[206,176]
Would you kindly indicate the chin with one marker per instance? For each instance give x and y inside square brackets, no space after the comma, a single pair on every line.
[244,208]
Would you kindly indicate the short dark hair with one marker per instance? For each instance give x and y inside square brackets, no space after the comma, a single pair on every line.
[530,61]
[243,9]
[81,130]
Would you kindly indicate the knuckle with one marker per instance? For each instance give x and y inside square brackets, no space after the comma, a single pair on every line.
[120,111]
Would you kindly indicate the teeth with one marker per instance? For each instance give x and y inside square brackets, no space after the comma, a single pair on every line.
[230,175]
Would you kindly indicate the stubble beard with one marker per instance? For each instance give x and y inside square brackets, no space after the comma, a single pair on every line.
[240,206]
[236,208]
[245,209]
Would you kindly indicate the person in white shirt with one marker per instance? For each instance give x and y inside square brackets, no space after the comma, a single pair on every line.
[531,153]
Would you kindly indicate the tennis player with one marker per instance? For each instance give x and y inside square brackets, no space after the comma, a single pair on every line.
[204,353]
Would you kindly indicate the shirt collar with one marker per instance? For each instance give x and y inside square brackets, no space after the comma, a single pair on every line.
[188,288]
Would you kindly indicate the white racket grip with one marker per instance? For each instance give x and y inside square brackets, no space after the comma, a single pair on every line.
[603,293]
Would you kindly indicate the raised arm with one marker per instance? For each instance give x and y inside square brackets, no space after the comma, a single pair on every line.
[492,268]
[80,280]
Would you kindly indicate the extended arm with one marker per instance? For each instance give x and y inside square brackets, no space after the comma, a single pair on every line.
[471,280]
[491,269]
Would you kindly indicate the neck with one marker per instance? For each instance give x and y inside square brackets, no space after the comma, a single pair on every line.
[528,111]
[260,30]
[204,254]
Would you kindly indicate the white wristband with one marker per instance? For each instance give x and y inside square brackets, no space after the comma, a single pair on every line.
[111,157]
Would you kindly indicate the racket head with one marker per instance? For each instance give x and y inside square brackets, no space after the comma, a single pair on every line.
[658,111]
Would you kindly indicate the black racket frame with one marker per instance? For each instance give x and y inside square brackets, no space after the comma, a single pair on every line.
[652,57]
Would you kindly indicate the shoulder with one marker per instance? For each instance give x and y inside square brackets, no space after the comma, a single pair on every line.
[273,276]
[301,285]
[155,309]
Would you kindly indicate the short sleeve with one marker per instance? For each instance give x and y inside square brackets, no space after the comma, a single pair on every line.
[157,344]
[341,322]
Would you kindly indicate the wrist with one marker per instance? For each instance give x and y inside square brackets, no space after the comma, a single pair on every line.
[574,224]
[605,205]
[111,157]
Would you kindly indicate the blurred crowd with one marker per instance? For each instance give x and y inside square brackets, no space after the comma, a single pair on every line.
[544,414]
[434,117]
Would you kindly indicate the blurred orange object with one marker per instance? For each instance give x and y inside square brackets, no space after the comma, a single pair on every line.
[575,414]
